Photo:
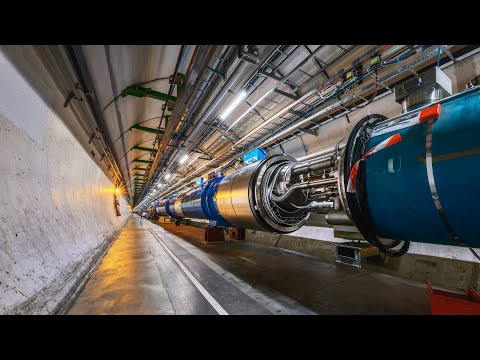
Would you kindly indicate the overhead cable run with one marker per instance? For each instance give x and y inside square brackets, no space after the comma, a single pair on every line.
[353,96]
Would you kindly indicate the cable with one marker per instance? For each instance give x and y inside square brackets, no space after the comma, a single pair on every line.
[142,83]
[149,81]
[474,253]
[377,83]
[438,58]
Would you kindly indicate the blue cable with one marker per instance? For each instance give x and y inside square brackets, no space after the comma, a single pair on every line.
[438,58]
[345,86]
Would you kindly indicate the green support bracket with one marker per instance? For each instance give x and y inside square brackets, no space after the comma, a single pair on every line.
[143,161]
[139,91]
[136,147]
[142,175]
[147,129]
[140,168]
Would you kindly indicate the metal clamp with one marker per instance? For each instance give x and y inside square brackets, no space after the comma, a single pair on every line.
[433,188]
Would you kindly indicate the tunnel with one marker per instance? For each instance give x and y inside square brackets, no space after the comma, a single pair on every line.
[239,179]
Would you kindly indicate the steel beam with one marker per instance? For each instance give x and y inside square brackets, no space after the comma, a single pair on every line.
[270,75]
[290,96]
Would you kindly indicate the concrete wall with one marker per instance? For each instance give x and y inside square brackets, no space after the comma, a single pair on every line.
[56,203]
[334,131]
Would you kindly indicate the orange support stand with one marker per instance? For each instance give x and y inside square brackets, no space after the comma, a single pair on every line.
[237,233]
[213,234]
[450,303]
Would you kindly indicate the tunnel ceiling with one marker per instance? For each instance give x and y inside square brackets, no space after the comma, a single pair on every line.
[132,121]
[280,82]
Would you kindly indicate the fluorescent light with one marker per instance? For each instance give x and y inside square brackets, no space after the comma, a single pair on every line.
[159,185]
[239,98]
[183,159]
[167,176]
[195,158]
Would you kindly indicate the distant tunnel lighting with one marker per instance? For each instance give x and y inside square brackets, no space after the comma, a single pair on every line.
[117,191]
[167,176]
[239,98]
[183,159]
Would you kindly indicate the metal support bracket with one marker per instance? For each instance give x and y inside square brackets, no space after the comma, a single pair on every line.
[270,75]
[247,56]
[91,138]
[308,131]
[290,96]
[71,96]
[217,73]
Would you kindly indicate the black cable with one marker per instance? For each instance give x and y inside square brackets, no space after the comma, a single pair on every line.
[474,253]
[357,202]
[362,200]
[377,83]
[115,98]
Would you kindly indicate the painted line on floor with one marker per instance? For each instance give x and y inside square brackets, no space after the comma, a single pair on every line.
[218,308]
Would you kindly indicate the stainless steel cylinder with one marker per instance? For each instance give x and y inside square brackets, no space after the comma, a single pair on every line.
[234,196]
[160,208]
[177,207]
[315,165]
[338,217]
[244,198]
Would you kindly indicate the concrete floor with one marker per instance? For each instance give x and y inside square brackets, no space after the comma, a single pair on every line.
[138,276]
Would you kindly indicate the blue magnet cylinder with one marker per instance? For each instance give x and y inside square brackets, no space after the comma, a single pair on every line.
[399,196]
[194,204]
[201,203]
[170,207]
[212,203]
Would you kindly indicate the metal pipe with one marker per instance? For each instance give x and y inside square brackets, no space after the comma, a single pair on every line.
[314,165]
[304,185]
[200,122]
[338,217]
[197,66]
[321,153]
[349,97]
[241,66]
[209,76]
[296,102]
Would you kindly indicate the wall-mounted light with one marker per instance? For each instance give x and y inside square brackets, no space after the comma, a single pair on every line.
[238,99]
[159,185]
[167,176]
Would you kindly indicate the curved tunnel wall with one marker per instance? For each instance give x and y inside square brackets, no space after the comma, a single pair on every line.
[56,203]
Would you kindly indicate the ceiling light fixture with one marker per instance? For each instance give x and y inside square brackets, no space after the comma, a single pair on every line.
[183,159]
[238,99]
[167,176]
